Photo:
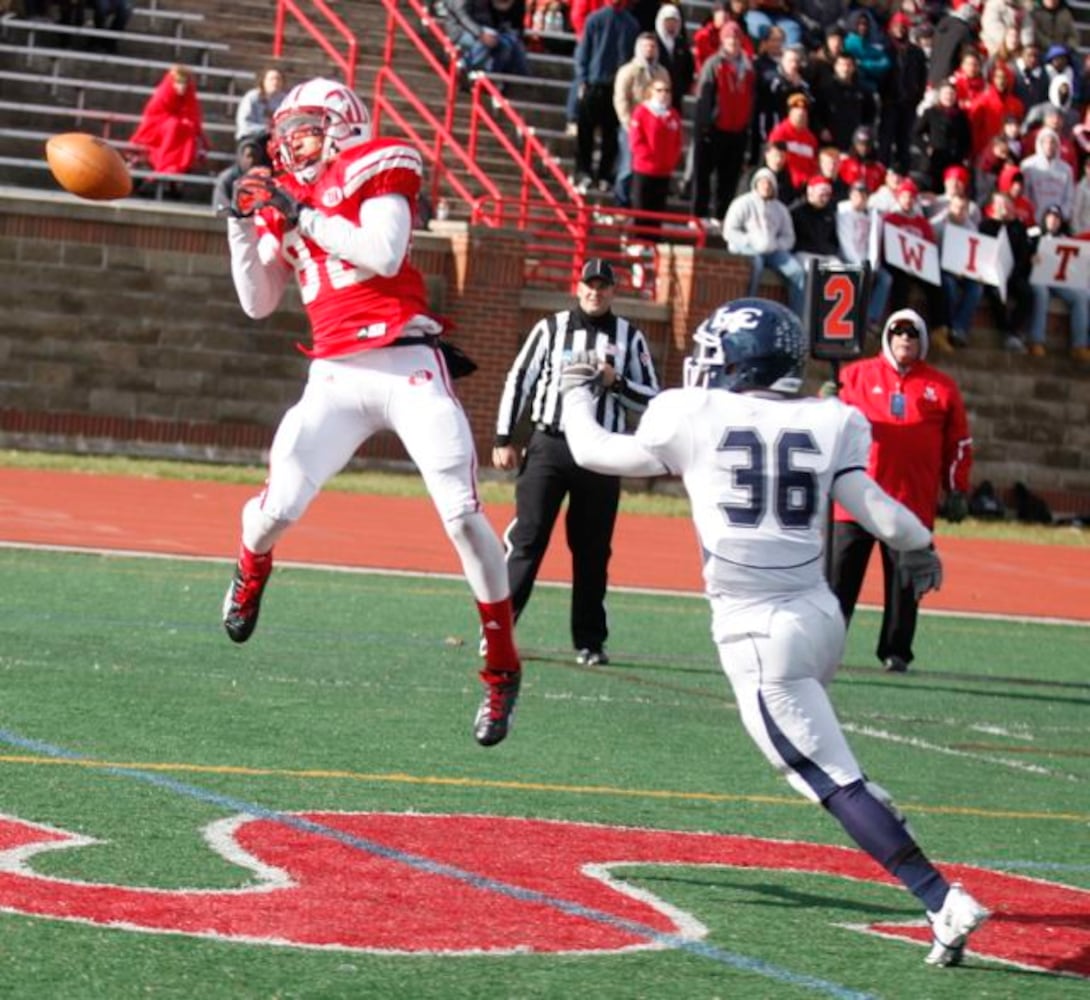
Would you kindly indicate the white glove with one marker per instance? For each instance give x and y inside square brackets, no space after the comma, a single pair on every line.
[581,370]
[920,569]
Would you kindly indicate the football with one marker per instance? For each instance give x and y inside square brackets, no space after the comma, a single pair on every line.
[88,166]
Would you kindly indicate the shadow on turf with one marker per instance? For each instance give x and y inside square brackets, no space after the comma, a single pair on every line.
[771,893]
[906,680]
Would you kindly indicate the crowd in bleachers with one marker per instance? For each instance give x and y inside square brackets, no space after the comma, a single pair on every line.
[817,125]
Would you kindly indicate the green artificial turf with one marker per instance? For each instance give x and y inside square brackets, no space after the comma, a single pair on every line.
[356,694]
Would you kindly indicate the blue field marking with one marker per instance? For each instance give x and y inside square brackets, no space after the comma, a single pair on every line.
[741,962]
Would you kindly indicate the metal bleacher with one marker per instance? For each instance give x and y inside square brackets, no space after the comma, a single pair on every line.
[58,78]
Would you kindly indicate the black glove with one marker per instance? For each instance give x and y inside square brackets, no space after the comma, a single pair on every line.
[956,507]
[919,569]
[256,190]
[581,369]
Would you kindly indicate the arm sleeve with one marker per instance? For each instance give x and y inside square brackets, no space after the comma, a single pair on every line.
[879,513]
[523,375]
[957,446]
[377,244]
[259,272]
[595,448]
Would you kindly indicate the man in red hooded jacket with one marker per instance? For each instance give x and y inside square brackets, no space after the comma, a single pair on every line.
[920,447]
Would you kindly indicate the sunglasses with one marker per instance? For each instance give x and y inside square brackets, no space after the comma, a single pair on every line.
[905,330]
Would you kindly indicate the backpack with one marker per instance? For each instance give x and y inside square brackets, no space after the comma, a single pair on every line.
[1029,507]
[985,503]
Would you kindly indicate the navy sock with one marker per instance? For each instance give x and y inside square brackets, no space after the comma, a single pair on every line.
[884,837]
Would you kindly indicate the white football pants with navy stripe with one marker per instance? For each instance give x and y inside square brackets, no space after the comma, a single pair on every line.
[779,655]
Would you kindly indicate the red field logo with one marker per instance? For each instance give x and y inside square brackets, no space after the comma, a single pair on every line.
[492,884]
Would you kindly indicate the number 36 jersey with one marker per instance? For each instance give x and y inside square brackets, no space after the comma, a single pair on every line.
[758,471]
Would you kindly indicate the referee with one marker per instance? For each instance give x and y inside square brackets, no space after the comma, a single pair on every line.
[548,472]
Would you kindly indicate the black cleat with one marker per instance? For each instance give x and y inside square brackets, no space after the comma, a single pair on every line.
[243,603]
[496,714]
[895,665]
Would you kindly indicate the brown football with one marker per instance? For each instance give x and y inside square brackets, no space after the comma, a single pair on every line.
[88,166]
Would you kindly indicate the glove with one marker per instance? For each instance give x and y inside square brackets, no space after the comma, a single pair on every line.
[829,388]
[581,370]
[920,569]
[956,507]
[256,190]
[250,192]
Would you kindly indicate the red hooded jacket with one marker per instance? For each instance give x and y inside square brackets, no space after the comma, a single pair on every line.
[171,130]
[925,451]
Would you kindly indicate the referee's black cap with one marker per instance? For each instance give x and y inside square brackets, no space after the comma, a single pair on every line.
[598,269]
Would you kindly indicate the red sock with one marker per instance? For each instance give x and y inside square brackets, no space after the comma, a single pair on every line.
[253,564]
[498,624]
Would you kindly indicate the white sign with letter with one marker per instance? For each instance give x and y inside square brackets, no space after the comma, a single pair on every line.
[1062,261]
[969,254]
[910,252]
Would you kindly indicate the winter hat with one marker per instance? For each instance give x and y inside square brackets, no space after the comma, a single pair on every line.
[956,172]
[899,319]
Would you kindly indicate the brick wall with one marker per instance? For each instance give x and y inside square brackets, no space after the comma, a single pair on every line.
[122,333]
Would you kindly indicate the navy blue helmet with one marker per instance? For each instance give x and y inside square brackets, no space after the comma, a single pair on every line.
[748,344]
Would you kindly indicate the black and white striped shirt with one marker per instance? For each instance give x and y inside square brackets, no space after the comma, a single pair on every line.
[535,374]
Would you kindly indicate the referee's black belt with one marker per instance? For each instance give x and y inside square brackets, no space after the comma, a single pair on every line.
[548,430]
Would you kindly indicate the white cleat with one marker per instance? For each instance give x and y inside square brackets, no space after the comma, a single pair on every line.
[951,926]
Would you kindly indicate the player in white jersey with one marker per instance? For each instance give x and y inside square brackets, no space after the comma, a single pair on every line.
[337,219]
[759,465]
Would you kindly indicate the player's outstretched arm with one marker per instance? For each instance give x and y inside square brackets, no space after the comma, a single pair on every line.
[595,448]
[918,564]
[879,513]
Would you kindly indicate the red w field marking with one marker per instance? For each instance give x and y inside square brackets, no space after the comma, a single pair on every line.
[310,891]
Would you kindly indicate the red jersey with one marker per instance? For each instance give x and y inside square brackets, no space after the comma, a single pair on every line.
[802,151]
[655,141]
[870,172]
[920,443]
[349,310]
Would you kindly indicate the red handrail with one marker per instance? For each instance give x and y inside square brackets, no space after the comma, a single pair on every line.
[347,64]
[382,104]
[562,227]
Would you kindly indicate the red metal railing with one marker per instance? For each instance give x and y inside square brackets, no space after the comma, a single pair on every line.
[347,63]
[432,147]
[562,227]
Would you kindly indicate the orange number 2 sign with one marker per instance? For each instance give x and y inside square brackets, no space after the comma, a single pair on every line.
[840,292]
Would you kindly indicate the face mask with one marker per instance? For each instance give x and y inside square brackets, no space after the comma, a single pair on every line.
[659,103]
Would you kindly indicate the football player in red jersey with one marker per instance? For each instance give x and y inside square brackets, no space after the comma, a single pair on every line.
[337,216]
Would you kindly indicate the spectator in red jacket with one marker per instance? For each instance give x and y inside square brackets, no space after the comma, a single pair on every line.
[706,37]
[968,78]
[1012,182]
[920,448]
[802,144]
[722,119]
[655,138]
[990,109]
[861,162]
[170,135]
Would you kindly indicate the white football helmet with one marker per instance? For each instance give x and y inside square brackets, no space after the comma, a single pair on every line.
[317,108]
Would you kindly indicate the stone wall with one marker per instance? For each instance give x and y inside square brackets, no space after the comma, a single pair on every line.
[122,334]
